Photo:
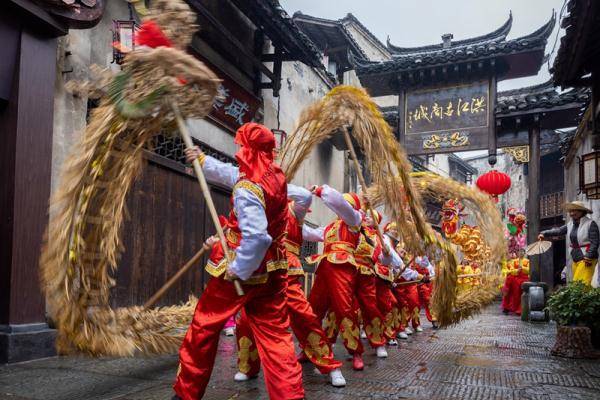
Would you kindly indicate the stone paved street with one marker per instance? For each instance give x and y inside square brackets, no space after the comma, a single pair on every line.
[490,356]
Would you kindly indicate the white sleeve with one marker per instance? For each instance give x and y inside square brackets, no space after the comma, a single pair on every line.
[335,201]
[313,234]
[302,200]
[410,274]
[220,172]
[393,259]
[431,270]
[255,241]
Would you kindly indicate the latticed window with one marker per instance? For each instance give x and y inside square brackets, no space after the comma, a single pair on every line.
[172,147]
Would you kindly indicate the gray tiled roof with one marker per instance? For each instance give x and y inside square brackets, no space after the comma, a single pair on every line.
[486,47]
[541,96]
[495,36]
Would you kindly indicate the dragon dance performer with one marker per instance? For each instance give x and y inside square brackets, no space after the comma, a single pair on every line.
[406,295]
[517,270]
[368,255]
[257,225]
[304,323]
[386,301]
[464,283]
[425,268]
[583,237]
[337,269]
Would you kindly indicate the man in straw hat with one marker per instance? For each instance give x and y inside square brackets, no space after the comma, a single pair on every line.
[583,238]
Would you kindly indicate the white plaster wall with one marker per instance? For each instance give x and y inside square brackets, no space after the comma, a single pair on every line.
[518,193]
[89,46]
[572,180]
[371,49]
[300,87]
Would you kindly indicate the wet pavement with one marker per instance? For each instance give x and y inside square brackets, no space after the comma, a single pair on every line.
[490,356]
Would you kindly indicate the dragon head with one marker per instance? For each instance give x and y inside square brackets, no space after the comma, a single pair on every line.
[451,213]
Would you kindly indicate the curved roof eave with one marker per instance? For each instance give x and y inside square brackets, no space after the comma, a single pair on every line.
[499,34]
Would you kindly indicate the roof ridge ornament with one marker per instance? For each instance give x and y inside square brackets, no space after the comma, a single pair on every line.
[447,40]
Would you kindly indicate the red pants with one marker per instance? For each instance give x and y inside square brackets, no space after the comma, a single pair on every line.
[511,299]
[424,291]
[265,307]
[333,290]
[366,311]
[305,326]
[373,319]
[408,298]
[388,305]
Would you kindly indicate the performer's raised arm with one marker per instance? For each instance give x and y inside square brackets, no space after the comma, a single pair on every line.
[392,259]
[313,234]
[346,206]
[252,222]
[302,199]
[215,171]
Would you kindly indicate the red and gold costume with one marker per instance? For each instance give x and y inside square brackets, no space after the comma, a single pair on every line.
[365,304]
[336,277]
[408,299]
[423,267]
[367,254]
[303,321]
[264,301]
[386,301]
[517,273]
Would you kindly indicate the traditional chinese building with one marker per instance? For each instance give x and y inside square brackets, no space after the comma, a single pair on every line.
[517,112]
[270,69]
[577,66]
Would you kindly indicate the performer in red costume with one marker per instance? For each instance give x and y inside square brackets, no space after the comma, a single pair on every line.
[425,268]
[368,254]
[337,269]
[407,295]
[386,301]
[305,325]
[517,273]
[258,224]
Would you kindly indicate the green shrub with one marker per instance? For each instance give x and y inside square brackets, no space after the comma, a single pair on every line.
[576,304]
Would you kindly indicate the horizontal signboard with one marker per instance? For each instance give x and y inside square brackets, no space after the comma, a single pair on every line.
[447,119]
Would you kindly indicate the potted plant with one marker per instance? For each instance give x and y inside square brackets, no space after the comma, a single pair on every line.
[576,310]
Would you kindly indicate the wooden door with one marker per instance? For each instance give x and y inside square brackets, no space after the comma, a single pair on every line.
[167,224]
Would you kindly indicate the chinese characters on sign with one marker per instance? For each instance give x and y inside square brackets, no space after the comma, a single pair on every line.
[451,110]
[230,107]
[446,118]
[234,105]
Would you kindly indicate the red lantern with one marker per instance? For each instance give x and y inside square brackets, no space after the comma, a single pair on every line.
[494,183]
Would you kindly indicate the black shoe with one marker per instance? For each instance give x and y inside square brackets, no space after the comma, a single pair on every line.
[505,312]
[434,324]
[175,398]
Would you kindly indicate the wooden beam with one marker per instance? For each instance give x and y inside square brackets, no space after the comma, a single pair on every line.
[198,6]
[533,206]
[492,134]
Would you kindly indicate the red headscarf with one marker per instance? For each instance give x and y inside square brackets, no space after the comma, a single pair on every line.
[255,156]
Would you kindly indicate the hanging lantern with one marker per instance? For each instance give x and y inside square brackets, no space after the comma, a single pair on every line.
[494,183]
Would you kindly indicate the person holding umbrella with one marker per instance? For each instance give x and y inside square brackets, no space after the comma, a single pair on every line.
[583,238]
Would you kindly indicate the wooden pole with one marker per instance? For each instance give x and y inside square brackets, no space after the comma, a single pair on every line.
[160,292]
[187,139]
[363,183]
[432,279]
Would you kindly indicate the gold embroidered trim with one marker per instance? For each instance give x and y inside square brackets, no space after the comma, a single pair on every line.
[253,188]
